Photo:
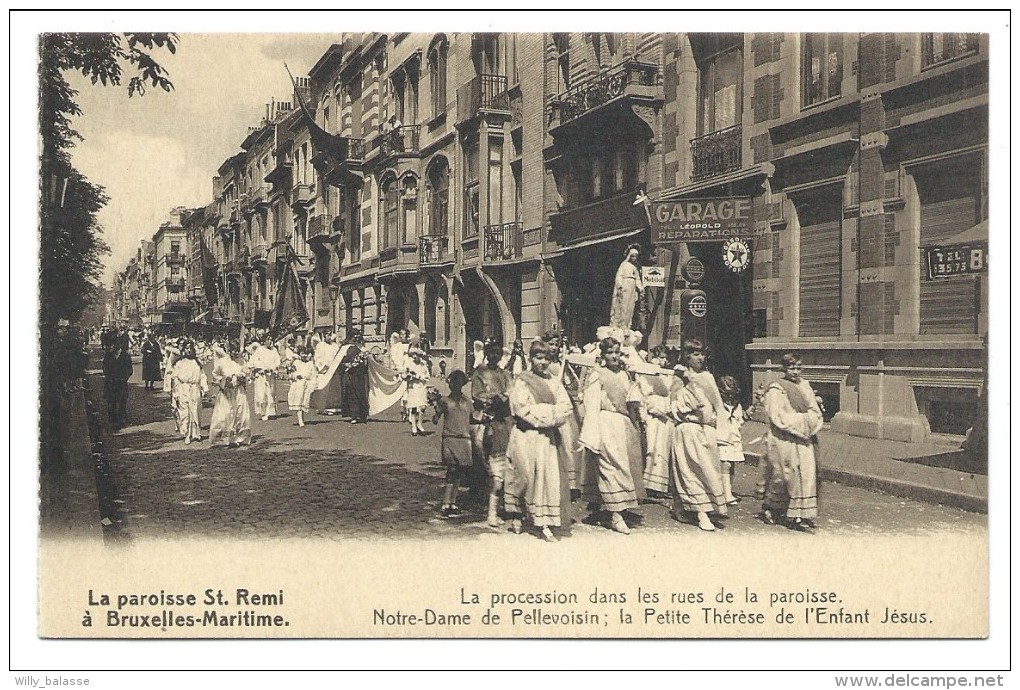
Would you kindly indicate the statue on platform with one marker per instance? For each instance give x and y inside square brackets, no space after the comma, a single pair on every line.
[627,290]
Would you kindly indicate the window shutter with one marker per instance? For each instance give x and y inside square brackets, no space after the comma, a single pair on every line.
[820,268]
[948,305]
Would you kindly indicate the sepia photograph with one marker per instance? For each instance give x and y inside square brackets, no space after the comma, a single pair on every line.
[596,328]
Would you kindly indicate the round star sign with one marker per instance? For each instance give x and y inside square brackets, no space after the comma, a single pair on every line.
[736,254]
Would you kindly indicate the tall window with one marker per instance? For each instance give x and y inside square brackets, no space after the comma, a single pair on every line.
[439,197]
[390,197]
[437,76]
[821,67]
[719,92]
[562,43]
[409,210]
[936,48]
[354,224]
[471,193]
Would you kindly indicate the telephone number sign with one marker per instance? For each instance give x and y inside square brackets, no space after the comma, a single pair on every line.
[956,260]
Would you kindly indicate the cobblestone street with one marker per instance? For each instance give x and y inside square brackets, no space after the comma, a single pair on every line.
[335,480]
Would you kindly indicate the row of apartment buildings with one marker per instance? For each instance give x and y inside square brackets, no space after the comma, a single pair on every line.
[152,288]
[483,185]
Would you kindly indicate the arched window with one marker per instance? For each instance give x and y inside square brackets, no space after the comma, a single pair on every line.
[437,74]
[439,197]
[389,200]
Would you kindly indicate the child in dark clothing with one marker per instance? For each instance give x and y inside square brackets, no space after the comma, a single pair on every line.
[455,409]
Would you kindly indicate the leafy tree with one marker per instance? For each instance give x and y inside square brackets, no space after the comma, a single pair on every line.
[71,244]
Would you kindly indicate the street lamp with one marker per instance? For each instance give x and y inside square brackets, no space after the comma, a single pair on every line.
[334,294]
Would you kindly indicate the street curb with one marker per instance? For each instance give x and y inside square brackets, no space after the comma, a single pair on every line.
[895,487]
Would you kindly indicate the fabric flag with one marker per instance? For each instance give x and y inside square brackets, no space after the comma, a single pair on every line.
[290,312]
[208,271]
[385,387]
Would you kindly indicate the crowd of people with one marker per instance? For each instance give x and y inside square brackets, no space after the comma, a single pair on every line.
[539,440]
[604,428]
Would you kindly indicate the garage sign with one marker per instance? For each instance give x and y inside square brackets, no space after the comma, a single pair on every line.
[702,220]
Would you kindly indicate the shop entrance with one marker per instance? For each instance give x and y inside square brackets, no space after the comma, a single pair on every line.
[729,320]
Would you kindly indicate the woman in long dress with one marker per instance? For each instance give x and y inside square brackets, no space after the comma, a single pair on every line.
[231,417]
[264,363]
[537,484]
[694,479]
[627,289]
[189,386]
[611,433]
[655,389]
[794,420]
[571,429]
[417,375]
[302,383]
[695,360]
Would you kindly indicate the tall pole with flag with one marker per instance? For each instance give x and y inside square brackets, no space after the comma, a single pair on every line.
[289,311]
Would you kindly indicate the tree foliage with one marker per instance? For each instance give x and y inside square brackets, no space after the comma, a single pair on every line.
[71,244]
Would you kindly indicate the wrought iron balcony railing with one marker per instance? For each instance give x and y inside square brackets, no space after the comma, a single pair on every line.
[503,242]
[402,140]
[603,88]
[716,153]
[318,228]
[433,249]
[484,92]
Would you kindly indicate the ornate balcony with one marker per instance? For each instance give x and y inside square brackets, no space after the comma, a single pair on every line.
[280,176]
[259,255]
[260,199]
[175,258]
[632,80]
[319,229]
[175,285]
[486,92]
[302,195]
[598,219]
[246,204]
[503,242]
[433,249]
[402,141]
[716,153]
[336,157]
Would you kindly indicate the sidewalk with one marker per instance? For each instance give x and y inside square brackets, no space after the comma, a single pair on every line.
[69,498]
[902,469]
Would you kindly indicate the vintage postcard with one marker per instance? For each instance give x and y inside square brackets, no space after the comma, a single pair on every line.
[455,333]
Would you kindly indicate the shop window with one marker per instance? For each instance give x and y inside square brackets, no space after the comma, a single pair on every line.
[821,67]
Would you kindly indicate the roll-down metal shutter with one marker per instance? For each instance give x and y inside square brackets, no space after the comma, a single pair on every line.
[820,268]
[948,305]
